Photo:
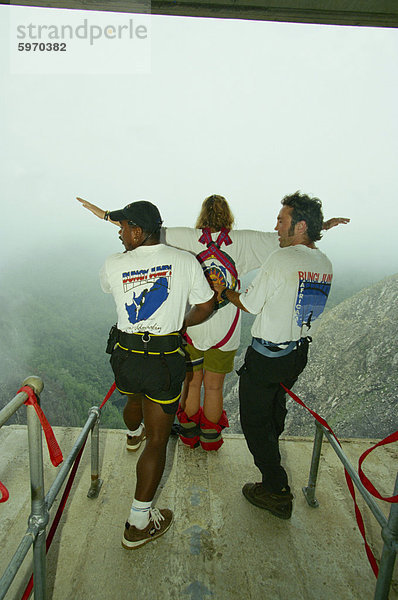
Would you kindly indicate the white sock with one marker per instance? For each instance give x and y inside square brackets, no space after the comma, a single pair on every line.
[139,514]
[137,431]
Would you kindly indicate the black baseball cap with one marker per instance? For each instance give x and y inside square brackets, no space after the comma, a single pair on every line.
[142,213]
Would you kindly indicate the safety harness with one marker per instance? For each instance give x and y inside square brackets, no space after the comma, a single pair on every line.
[144,343]
[272,350]
[213,249]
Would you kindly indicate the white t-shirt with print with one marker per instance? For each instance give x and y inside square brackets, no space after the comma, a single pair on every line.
[248,250]
[152,285]
[289,294]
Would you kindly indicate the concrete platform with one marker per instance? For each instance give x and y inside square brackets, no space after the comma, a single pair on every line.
[220,547]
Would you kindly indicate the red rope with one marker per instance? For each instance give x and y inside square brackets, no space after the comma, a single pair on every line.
[368,485]
[57,518]
[52,444]
[366,482]
[65,496]
[109,394]
[4,493]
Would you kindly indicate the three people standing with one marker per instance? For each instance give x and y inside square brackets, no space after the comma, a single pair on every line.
[288,295]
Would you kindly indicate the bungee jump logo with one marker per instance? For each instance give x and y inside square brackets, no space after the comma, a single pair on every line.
[311,297]
[150,289]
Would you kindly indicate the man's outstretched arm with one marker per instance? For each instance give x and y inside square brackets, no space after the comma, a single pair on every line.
[334,222]
[198,314]
[232,296]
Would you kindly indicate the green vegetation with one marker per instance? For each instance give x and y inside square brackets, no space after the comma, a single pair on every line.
[54,324]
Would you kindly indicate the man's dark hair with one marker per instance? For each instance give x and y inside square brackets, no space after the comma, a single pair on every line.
[306,209]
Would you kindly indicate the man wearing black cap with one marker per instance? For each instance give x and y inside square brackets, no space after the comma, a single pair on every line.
[151,284]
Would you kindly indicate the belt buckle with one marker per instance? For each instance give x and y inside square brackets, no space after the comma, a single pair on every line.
[145,337]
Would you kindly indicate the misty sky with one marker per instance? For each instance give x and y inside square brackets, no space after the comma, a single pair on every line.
[249,110]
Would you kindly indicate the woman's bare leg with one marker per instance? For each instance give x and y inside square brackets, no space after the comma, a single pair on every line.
[190,397]
[213,402]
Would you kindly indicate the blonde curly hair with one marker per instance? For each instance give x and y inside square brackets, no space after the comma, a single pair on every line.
[215,214]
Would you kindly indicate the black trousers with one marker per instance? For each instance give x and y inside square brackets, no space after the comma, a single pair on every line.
[263,408]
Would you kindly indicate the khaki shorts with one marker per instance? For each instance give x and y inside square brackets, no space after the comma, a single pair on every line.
[214,359]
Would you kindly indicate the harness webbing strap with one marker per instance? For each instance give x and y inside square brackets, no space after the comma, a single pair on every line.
[230,331]
[52,444]
[213,248]
[227,336]
[368,485]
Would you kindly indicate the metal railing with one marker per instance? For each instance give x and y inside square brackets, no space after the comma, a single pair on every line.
[389,527]
[41,504]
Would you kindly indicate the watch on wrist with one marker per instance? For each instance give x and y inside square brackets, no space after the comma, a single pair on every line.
[224,294]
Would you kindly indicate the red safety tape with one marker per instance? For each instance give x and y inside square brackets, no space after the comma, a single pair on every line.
[52,444]
[109,394]
[65,496]
[4,493]
[393,437]
[57,518]
[368,484]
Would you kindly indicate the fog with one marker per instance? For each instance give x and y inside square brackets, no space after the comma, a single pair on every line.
[249,110]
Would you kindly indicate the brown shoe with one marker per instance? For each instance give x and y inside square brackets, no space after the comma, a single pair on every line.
[279,504]
[159,523]
[134,441]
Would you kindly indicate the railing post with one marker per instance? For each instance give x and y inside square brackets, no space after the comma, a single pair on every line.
[96,482]
[309,491]
[390,537]
[39,514]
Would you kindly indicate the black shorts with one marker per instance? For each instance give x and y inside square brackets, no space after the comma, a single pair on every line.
[159,378]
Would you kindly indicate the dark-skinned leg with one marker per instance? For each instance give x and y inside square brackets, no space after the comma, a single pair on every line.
[132,413]
[150,465]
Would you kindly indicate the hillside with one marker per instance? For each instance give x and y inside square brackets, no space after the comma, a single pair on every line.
[351,378]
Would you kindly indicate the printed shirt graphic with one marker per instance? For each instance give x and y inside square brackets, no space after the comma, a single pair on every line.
[289,294]
[149,291]
[152,285]
[249,250]
[311,297]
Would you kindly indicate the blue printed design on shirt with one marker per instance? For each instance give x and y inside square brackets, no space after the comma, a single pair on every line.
[311,301]
[145,303]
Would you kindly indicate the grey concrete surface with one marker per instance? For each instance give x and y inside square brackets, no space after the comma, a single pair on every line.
[220,547]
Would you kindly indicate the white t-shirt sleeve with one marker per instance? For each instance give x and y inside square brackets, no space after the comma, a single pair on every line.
[254,248]
[104,281]
[254,298]
[184,238]
[200,290]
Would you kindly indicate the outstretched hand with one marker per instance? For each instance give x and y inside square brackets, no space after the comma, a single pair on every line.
[96,210]
[218,288]
[335,221]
